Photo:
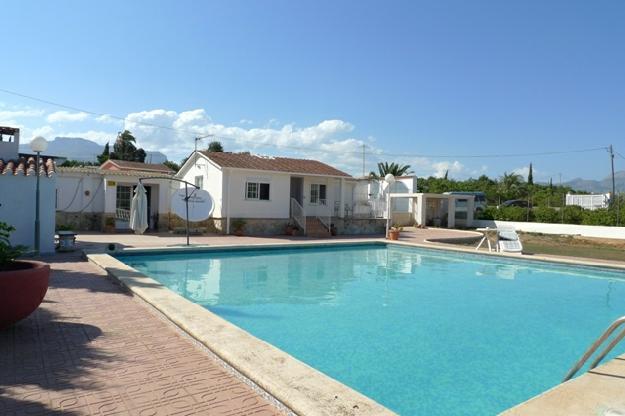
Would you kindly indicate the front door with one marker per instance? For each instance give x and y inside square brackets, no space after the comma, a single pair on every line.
[297,189]
[124,195]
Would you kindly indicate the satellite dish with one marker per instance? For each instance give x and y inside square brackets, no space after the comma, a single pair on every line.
[200,204]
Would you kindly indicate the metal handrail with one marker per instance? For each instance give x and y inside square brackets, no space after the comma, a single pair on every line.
[595,345]
[298,214]
[122,214]
[326,221]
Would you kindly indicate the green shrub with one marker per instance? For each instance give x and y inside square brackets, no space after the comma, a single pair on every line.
[8,253]
[601,216]
[546,214]
[572,214]
[487,214]
[512,214]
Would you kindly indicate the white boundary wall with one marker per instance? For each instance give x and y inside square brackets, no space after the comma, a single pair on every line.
[562,229]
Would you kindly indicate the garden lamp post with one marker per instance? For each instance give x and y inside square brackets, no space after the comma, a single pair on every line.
[37,145]
[390,180]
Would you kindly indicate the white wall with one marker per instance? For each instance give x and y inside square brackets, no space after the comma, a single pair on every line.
[403,185]
[566,229]
[212,181]
[72,190]
[161,187]
[17,208]
[234,194]
[331,196]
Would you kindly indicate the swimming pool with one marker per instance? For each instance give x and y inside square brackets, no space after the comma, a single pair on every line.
[420,331]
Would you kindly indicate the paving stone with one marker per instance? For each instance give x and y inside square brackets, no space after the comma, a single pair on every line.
[93,349]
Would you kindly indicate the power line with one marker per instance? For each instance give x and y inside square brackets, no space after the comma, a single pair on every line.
[195,133]
[493,155]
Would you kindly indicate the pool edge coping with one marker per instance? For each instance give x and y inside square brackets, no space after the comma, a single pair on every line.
[300,387]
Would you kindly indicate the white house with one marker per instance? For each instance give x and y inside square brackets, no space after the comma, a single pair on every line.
[98,197]
[18,175]
[591,201]
[269,192]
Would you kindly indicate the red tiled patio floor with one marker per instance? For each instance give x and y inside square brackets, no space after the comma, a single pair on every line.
[92,349]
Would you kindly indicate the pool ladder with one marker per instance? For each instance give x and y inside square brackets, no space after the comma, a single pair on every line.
[599,342]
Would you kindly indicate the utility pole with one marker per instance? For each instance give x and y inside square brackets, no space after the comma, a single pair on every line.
[614,198]
[611,151]
[363,160]
[563,202]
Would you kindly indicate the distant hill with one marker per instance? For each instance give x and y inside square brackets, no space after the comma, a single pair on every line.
[77,148]
[601,186]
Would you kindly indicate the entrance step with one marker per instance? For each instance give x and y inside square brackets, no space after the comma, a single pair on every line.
[315,228]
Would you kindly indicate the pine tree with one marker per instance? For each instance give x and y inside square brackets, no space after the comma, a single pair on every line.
[104,156]
[530,176]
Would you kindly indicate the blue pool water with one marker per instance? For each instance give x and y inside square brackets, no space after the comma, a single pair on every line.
[420,331]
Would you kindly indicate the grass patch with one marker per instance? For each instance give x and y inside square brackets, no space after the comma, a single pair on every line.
[574,246]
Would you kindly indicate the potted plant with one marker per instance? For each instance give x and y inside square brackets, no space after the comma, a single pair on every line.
[291,229]
[23,284]
[238,226]
[109,225]
[393,233]
[333,230]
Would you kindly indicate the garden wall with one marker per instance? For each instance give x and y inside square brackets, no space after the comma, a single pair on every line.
[561,229]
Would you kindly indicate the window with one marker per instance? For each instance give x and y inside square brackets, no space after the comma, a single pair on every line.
[317,194]
[124,196]
[257,190]
[264,191]
[199,181]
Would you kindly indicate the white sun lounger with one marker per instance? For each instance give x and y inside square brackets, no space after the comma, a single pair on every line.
[508,241]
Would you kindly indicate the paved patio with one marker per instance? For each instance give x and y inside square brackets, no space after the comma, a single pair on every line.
[93,349]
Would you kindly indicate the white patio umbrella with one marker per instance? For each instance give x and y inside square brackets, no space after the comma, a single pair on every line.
[139,210]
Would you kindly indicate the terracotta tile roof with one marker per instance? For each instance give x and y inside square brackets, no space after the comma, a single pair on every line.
[273,164]
[95,170]
[114,164]
[25,166]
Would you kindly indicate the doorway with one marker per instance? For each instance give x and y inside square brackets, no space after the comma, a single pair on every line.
[297,189]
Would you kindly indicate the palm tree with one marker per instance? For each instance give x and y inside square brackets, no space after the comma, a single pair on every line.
[510,185]
[394,168]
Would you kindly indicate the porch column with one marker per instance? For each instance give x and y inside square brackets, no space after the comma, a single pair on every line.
[226,190]
[341,198]
[451,215]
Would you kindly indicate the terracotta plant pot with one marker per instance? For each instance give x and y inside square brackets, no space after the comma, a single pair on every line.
[22,288]
[393,235]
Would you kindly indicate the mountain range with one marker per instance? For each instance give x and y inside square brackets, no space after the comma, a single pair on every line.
[600,186]
[77,148]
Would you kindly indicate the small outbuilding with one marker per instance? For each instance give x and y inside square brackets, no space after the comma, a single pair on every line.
[18,181]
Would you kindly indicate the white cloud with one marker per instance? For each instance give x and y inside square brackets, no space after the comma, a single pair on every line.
[176,138]
[98,136]
[245,121]
[45,131]
[524,171]
[12,114]
[60,116]
[107,119]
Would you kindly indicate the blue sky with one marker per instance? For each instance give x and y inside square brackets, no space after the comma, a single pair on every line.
[431,81]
